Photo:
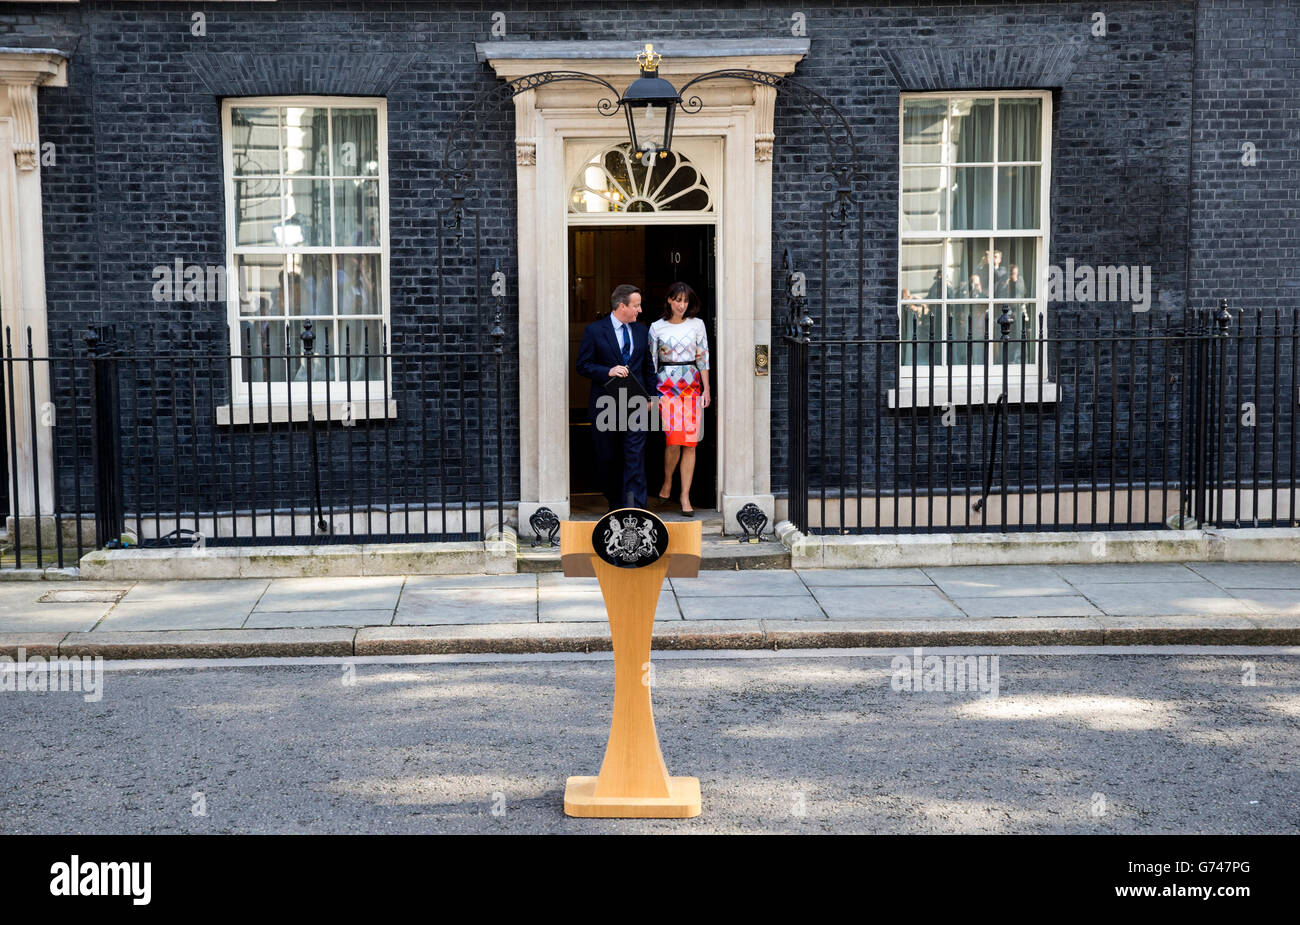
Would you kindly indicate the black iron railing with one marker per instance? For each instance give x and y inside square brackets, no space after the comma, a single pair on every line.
[1123,423]
[311,443]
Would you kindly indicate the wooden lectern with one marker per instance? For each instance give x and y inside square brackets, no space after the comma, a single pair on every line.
[633,780]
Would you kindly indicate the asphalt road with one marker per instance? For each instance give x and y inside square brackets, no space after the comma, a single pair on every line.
[1072,743]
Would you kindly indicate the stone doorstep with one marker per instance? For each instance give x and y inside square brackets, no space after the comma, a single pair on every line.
[716,554]
[523,638]
[342,560]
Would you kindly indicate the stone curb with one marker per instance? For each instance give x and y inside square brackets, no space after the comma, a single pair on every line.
[46,644]
[530,638]
[210,643]
[505,638]
[889,633]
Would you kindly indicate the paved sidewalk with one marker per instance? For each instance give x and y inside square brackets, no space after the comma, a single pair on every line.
[1247,603]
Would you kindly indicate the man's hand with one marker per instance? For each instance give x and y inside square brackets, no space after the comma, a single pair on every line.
[618,371]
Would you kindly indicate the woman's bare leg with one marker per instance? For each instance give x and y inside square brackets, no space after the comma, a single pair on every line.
[688,471]
[671,453]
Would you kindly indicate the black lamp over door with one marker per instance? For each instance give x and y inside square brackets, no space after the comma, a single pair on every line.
[650,104]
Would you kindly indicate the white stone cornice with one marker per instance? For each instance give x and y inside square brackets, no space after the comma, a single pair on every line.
[619,72]
[40,67]
[22,71]
[683,59]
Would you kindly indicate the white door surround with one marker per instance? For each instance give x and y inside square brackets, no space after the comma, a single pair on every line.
[22,267]
[740,114]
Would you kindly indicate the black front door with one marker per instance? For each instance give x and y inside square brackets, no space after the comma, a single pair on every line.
[684,253]
[651,257]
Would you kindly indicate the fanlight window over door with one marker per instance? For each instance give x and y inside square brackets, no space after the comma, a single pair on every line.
[613,181]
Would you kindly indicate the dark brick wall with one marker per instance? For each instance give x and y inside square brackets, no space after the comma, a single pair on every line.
[1246,216]
[138,180]
[1246,219]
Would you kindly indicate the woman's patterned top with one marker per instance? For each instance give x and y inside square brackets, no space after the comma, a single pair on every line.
[679,352]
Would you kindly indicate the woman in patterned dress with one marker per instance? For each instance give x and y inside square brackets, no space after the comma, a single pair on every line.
[679,346]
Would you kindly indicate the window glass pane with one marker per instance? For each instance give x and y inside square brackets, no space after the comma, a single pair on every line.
[1020,130]
[921,269]
[358,284]
[257,211]
[677,187]
[308,211]
[967,326]
[1015,268]
[356,143]
[1018,197]
[697,200]
[306,140]
[261,346]
[297,354]
[1021,346]
[920,323]
[259,284]
[618,171]
[972,276]
[309,284]
[359,337]
[972,198]
[363,339]
[356,213]
[254,142]
[972,131]
[925,195]
[923,131]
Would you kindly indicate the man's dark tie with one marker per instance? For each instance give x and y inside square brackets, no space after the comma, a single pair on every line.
[627,346]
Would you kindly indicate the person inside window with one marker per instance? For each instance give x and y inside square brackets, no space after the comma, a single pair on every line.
[918,325]
[1012,287]
[991,271]
[940,288]
[916,308]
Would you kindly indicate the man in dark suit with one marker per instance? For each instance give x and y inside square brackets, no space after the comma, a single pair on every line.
[615,348]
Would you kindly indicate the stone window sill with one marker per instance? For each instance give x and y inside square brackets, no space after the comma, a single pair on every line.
[1032,392]
[279,412]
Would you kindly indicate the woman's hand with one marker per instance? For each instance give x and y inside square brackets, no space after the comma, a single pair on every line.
[706,399]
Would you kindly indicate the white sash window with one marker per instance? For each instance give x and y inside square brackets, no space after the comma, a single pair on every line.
[973,241]
[307,241]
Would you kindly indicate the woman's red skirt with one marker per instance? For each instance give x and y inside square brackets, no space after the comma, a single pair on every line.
[680,413]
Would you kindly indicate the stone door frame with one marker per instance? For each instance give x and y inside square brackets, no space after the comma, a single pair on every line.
[737,111]
[22,269]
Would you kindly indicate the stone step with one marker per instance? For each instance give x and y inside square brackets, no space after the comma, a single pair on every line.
[716,552]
